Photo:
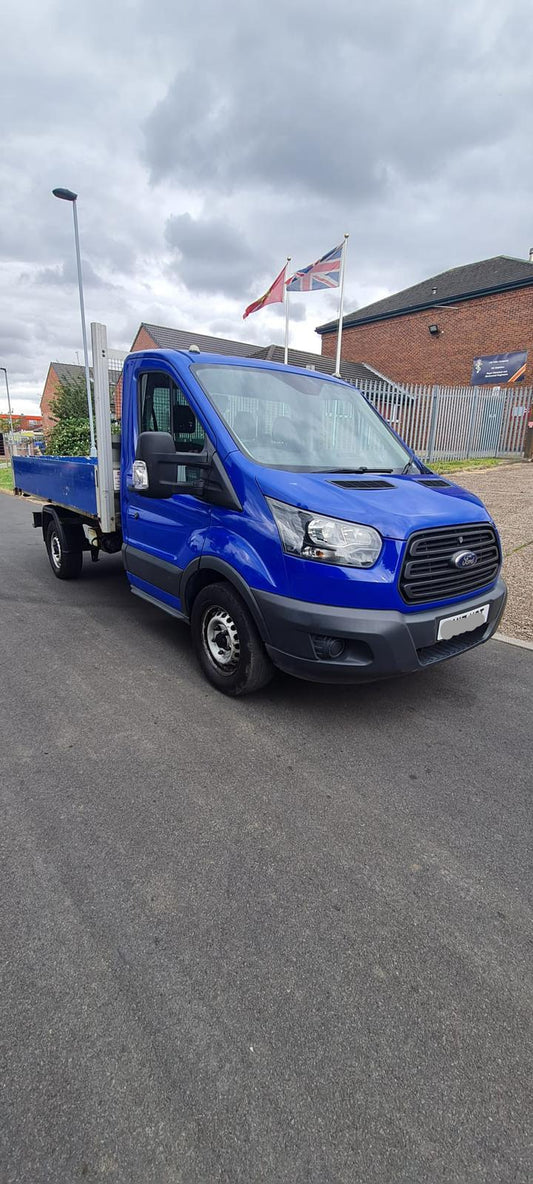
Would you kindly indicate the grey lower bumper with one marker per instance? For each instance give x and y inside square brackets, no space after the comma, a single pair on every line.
[375,644]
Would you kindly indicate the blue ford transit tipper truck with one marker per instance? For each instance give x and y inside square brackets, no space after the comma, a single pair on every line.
[276,512]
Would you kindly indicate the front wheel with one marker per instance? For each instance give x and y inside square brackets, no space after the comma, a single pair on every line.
[66,559]
[227,643]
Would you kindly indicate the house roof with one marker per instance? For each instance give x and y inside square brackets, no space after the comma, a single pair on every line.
[67,372]
[499,274]
[351,371]
[183,339]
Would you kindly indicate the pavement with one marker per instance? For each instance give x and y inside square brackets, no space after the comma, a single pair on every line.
[282,939]
[507,491]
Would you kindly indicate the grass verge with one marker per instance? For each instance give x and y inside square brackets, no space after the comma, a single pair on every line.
[462,466]
[6,477]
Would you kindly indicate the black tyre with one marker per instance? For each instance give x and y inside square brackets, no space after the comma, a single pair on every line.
[227,644]
[64,552]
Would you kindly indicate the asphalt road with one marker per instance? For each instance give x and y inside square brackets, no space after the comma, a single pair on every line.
[283,939]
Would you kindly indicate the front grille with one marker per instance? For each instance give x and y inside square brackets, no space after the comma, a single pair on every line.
[428,572]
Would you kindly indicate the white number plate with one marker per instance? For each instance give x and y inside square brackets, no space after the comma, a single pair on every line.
[462,623]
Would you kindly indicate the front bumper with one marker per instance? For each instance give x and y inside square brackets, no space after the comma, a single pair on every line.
[376,644]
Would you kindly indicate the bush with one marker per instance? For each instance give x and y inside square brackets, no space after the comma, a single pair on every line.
[69,437]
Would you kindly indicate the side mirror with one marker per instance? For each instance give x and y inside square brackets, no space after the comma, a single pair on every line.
[156,464]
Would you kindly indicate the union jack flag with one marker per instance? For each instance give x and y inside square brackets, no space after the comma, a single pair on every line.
[325,273]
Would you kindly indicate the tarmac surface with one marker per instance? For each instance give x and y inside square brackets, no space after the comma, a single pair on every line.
[282,939]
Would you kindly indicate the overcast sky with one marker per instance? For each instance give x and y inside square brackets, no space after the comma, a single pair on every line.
[208,140]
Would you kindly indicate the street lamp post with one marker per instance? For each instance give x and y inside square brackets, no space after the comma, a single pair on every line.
[10,413]
[68,195]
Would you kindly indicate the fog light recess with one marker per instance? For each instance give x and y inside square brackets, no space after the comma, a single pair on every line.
[327,648]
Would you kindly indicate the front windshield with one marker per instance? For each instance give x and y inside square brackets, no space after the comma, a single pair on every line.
[300,421]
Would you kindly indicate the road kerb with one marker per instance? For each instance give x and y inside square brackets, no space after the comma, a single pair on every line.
[26,497]
[525,645]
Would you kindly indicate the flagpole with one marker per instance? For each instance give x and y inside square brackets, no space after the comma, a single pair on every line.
[337,371]
[286,354]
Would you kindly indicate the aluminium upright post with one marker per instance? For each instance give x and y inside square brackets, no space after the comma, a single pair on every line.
[105,488]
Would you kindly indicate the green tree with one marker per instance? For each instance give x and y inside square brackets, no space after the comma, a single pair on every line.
[5,426]
[69,435]
[70,400]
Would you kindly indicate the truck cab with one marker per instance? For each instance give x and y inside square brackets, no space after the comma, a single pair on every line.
[275,511]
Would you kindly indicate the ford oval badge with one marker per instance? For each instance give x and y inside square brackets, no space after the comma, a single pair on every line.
[464,559]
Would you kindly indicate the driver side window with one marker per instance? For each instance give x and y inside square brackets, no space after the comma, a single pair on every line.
[164,408]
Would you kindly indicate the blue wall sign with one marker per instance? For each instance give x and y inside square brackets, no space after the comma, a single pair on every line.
[499,368]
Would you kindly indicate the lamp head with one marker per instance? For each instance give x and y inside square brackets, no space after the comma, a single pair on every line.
[65,194]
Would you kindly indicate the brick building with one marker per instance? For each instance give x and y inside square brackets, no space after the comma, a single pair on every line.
[57,372]
[433,331]
[65,372]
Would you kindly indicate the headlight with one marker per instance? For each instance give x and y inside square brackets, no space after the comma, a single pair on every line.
[330,540]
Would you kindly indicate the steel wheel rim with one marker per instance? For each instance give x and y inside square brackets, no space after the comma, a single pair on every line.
[55,550]
[221,639]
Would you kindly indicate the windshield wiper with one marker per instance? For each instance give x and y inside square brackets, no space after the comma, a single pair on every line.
[361,469]
[408,466]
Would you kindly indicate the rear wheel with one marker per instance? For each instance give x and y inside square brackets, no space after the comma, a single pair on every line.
[66,557]
[227,643]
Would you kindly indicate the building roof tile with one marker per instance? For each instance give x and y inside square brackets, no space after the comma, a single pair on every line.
[182,339]
[459,283]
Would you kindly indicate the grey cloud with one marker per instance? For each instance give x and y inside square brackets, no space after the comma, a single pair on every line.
[336,108]
[66,273]
[12,332]
[216,256]
[298,311]
[213,255]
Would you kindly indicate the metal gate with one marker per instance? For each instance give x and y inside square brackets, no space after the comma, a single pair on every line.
[452,423]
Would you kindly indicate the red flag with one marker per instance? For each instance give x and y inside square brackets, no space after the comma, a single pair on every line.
[274,295]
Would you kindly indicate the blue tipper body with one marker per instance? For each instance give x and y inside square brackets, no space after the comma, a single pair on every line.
[68,481]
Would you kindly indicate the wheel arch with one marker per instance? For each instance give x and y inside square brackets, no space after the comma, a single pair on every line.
[210,570]
[67,522]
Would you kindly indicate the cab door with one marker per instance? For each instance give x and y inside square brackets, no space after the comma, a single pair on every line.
[163,535]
